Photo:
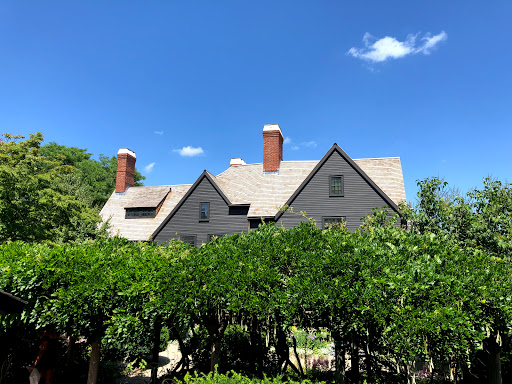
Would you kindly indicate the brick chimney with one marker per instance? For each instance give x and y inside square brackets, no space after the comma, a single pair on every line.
[272,147]
[125,170]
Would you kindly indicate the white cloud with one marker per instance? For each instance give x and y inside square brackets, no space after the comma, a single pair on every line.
[309,144]
[304,144]
[391,48]
[148,168]
[159,133]
[189,151]
[430,42]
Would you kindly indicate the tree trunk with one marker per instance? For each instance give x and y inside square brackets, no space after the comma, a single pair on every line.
[354,360]
[369,362]
[216,325]
[297,355]
[256,354]
[184,351]
[94,362]
[411,373]
[493,361]
[215,360]
[156,349]
[339,360]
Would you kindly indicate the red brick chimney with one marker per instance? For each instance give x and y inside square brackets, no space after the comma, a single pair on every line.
[125,170]
[272,147]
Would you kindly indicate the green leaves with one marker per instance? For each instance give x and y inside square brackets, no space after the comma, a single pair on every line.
[401,294]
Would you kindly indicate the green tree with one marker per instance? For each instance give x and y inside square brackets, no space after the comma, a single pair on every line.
[482,219]
[95,177]
[36,200]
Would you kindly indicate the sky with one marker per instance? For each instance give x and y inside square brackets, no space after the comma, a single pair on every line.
[188,85]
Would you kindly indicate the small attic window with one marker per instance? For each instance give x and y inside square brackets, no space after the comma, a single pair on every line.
[336,185]
[140,213]
[204,211]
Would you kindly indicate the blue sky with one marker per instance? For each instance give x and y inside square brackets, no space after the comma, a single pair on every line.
[429,82]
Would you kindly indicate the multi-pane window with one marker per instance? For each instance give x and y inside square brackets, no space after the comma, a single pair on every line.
[204,211]
[333,220]
[140,213]
[336,186]
[213,236]
[189,239]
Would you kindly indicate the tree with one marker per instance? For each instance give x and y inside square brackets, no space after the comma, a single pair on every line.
[96,177]
[36,202]
[480,220]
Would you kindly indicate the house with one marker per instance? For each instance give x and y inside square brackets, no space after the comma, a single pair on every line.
[330,190]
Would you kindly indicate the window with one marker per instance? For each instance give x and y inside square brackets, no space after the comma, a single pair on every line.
[336,186]
[238,210]
[140,213]
[212,236]
[332,220]
[204,211]
[255,223]
[189,239]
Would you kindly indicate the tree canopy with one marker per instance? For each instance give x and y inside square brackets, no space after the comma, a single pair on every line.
[98,177]
[51,192]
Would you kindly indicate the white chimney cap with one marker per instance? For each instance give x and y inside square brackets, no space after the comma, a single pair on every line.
[236,161]
[127,151]
[272,127]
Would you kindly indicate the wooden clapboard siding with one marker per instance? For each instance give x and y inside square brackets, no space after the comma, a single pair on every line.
[185,219]
[359,198]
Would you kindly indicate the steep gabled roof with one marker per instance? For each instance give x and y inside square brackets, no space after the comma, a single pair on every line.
[205,175]
[336,148]
[247,185]
[141,197]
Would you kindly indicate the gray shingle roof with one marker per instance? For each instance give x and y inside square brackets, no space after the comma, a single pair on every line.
[246,184]
[139,197]
[242,184]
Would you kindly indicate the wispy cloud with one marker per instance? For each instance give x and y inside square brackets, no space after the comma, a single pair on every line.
[159,133]
[148,168]
[189,151]
[297,146]
[380,50]
[310,144]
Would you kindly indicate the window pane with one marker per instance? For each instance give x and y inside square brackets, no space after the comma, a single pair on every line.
[189,239]
[205,208]
[336,185]
[132,213]
[329,221]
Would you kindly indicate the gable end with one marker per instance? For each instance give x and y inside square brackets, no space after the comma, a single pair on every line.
[348,159]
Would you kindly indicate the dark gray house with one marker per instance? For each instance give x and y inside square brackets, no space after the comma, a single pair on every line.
[332,189]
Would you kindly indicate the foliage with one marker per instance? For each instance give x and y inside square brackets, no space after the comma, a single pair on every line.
[234,377]
[109,286]
[96,178]
[402,297]
[481,220]
[36,203]
[311,341]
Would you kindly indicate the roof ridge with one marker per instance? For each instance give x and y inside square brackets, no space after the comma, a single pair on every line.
[378,158]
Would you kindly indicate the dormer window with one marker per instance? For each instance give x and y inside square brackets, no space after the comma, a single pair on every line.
[140,213]
[204,211]
[336,185]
